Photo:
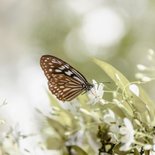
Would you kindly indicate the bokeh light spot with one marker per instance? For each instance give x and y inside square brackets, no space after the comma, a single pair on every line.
[102,27]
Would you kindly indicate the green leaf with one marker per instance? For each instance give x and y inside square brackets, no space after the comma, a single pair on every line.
[54,143]
[147,152]
[113,73]
[77,150]
[116,150]
[141,103]
[118,110]
[59,128]
[136,152]
[53,100]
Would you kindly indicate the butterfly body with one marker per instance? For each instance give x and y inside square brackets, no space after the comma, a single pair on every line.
[64,81]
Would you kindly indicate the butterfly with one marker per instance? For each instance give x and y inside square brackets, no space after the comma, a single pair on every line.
[64,81]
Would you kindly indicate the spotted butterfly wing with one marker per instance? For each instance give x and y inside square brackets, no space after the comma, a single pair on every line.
[64,81]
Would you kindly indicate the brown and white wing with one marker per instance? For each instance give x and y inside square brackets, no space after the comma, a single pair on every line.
[64,81]
[64,87]
[52,65]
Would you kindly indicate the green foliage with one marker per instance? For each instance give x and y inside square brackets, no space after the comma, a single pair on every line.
[142,104]
[92,124]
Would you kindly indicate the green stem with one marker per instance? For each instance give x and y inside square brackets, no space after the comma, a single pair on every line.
[144,135]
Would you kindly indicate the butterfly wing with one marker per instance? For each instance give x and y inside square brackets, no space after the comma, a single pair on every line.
[64,88]
[64,81]
[53,65]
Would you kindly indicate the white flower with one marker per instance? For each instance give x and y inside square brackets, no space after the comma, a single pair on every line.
[113,123]
[153,147]
[77,137]
[134,88]
[147,147]
[150,55]
[151,52]
[127,133]
[143,77]
[141,67]
[109,117]
[146,79]
[72,107]
[91,113]
[152,153]
[150,147]
[96,93]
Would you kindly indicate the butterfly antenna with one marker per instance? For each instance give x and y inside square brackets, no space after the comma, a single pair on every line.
[109,82]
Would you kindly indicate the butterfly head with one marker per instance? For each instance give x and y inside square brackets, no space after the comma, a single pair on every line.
[88,86]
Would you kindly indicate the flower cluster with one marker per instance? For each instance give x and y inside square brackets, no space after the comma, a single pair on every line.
[120,131]
[147,73]
[102,121]
[123,122]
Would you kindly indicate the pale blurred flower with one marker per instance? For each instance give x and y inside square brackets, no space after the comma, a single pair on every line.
[76,138]
[146,79]
[42,151]
[72,107]
[151,54]
[139,75]
[113,123]
[143,77]
[127,133]
[109,117]
[11,141]
[147,73]
[134,88]
[152,153]
[151,147]
[2,121]
[147,147]
[141,67]
[96,93]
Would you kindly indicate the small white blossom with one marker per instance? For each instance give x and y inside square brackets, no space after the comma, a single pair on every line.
[153,148]
[2,122]
[113,123]
[139,75]
[147,147]
[91,113]
[72,107]
[127,133]
[141,67]
[109,117]
[150,147]
[152,153]
[76,138]
[134,88]
[151,51]
[146,79]
[143,77]
[96,93]
[150,55]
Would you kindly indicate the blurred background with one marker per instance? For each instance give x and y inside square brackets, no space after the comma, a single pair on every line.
[119,32]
